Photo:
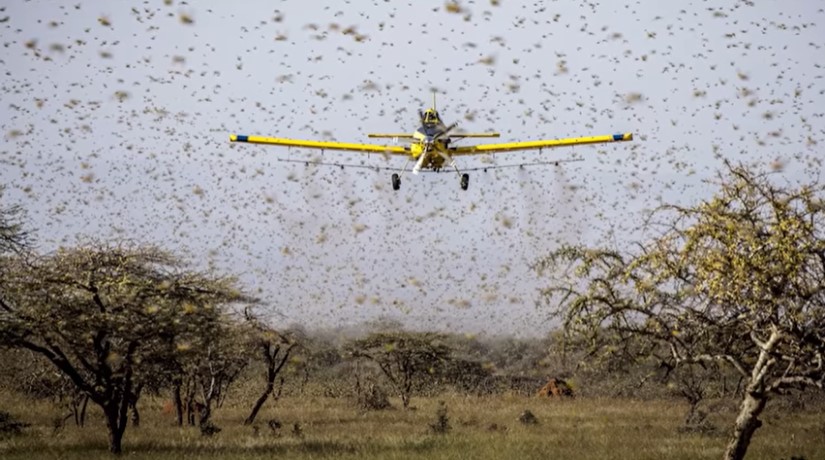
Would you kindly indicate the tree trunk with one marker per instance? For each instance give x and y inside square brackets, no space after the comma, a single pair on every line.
[272,371]
[304,380]
[82,419]
[746,424]
[259,403]
[135,416]
[406,391]
[115,427]
[76,412]
[178,403]
[190,413]
[190,407]
[205,413]
[133,399]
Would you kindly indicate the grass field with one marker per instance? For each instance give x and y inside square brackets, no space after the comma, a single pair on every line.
[481,428]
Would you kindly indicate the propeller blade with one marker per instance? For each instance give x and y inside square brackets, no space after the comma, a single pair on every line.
[422,159]
[420,163]
[448,160]
[447,130]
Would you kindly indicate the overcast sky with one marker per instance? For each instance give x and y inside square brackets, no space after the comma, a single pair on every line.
[116,122]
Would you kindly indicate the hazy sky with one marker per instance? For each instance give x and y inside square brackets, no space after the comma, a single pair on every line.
[116,121]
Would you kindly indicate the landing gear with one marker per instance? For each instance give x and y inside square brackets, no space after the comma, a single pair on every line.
[465,181]
[396,182]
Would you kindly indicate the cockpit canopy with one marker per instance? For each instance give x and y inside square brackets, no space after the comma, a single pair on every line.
[430,116]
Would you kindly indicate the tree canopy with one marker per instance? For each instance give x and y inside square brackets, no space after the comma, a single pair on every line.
[403,357]
[13,238]
[105,315]
[737,280]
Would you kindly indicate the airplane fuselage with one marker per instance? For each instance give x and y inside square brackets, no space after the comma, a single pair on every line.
[430,141]
[432,146]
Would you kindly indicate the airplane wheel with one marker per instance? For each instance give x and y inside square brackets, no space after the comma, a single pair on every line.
[396,182]
[465,181]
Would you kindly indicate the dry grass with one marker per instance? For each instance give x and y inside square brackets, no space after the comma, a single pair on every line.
[481,428]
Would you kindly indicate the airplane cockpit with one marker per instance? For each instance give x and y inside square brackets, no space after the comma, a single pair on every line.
[430,117]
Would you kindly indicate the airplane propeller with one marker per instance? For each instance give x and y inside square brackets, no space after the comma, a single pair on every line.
[423,158]
[428,146]
[447,159]
[446,130]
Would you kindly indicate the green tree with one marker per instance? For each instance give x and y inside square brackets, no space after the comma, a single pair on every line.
[738,280]
[405,358]
[102,314]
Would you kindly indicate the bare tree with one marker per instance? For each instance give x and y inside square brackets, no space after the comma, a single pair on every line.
[100,313]
[738,280]
[274,349]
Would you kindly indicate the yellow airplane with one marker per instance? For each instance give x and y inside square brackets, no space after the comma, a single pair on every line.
[430,145]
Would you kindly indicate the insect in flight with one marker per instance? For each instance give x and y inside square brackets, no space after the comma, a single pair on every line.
[431,146]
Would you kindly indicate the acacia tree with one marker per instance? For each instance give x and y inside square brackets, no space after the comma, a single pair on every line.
[223,352]
[102,314]
[199,366]
[13,239]
[274,348]
[403,357]
[738,280]
[29,374]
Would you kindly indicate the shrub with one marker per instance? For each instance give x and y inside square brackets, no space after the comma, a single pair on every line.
[373,398]
[528,418]
[442,422]
[10,426]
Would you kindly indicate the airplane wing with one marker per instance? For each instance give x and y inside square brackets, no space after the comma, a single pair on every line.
[465,135]
[532,145]
[323,145]
[396,169]
[391,135]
